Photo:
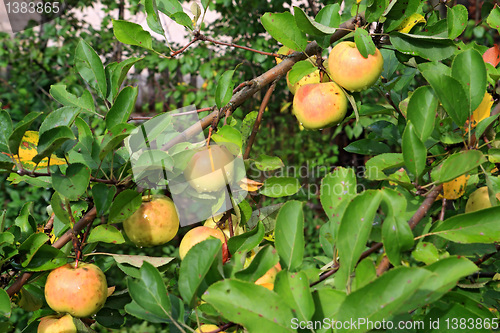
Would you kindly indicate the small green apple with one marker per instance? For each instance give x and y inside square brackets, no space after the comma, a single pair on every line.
[320,105]
[155,223]
[57,324]
[479,199]
[349,69]
[80,291]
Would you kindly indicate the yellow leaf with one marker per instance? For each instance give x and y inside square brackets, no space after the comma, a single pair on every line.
[410,22]
[269,236]
[250,185]
[455,188]
[27,150]
[482,112]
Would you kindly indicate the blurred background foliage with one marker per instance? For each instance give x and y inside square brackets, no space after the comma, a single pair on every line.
[34,59]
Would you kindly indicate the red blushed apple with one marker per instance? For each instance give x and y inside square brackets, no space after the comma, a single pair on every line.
[155,223]
[210,169]
[320,105]
[351,70]
[80,291]
[197,235]
[57,324]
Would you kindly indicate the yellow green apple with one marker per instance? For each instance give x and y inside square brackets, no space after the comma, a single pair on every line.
[210,169]
[155,222]
[320,105]
[285,50]
[270,275]
[352,71]
[80,291]
[197,235]
[57,324]
[479,199]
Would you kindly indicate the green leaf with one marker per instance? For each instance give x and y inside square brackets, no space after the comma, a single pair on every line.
[309,25]
[414,151]
[116,73]
[421,112]
[266,215]
[327,302]
[6,162]
[51,140]
[396,233]
[283,28]
[398,11]
[30,246]
[59,208]
[427,47]
[264,260]
[425,252]
[477,227]
[483,124]
[451,95]
[468,68]
[5,307]
[195,266]
[228,134]
[106,234]
[255,307]
[354,231]
[276,187]
[337,189]
[457,17]
[457,165]
[329,16]
[299,70]
[125,204]
[132,34]
[136,310]
[367,147]
[493,19]
[247,124]
[365,273]
[17,134]
[268,163]
[376,165]
[74,183]
[122,107]
[169,7]
[46,258]
[152,16]
[64,116]
[183,19]
[149,292]
[103,197]
[247,241]
[85,136]
[376,302]
[364,42]
[89,66]
[375,10]
[289,235]
[60,94]
[224,90]
[5,131]
[295,291]
[114,137]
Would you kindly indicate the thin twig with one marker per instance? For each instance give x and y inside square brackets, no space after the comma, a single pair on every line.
[255,129]
[211,40]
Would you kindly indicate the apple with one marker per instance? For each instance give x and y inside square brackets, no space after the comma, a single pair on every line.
[351,70]
[211,222]
[210,169]
[156,222]
[269,276]
[320,105]
[197,235]
[267,285]
[57,324]
[208,328]
[310,78]
[79,291]
[479,199]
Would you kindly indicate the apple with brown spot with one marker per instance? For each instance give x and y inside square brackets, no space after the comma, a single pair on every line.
[80,291]
[320,105]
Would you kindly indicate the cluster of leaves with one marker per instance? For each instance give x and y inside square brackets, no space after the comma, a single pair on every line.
[417,143]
